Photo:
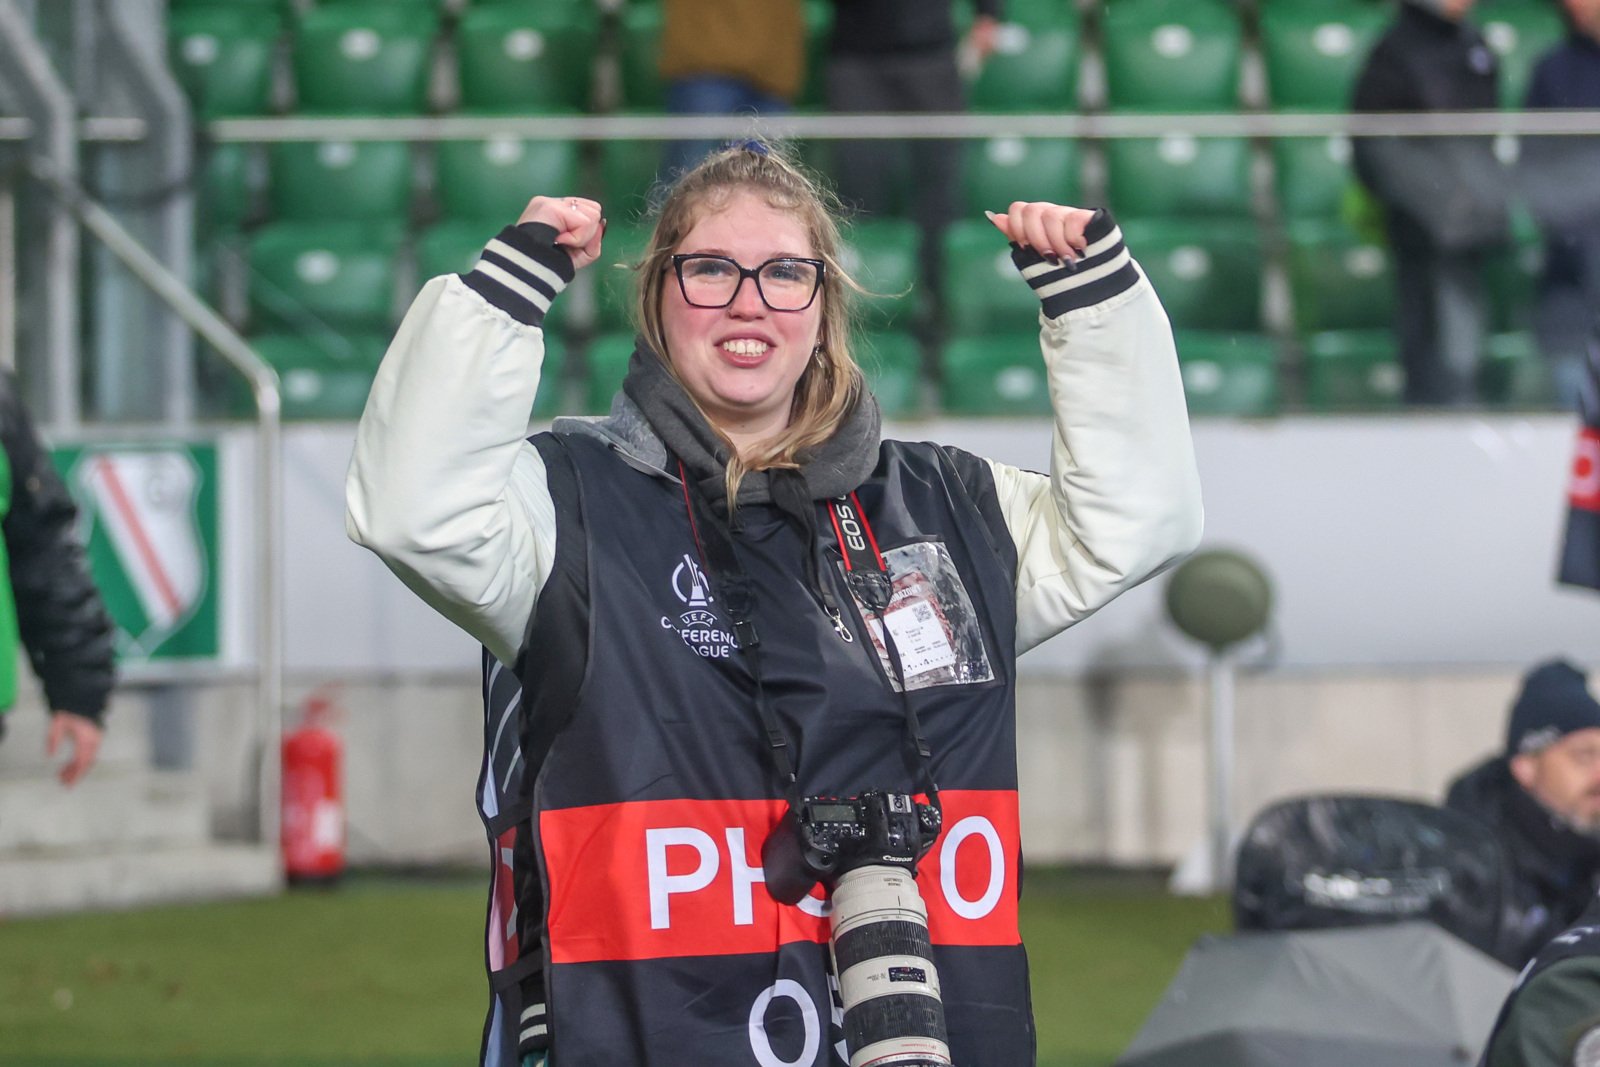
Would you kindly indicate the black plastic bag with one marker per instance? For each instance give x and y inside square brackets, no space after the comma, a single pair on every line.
[1326,861]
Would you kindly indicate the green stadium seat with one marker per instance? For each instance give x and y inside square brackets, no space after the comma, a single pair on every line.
[1312,175]
[1513,372]
[628,172]
[607,360]
[1000,374]
[1512,281]
[306,277]
[494,179]
[623,246]
[364,58]
[341,181]
[1228,374]
[279,8]
[892,363]
[1520,32]
[1002,169]
[551,400]
[1340,280]
[1208,274]
[1172,55]
[1034,66]
[229,184]
[639,46]
[223,57]
[321,375]
[983,293]
[1353,370]
[1313,54]
[1179,175]
[453,247]
[516,58]
[884,256]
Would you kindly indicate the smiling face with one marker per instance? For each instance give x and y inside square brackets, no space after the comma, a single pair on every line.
[741,362]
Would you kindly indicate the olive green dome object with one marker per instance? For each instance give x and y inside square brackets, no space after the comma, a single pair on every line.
[1219,597]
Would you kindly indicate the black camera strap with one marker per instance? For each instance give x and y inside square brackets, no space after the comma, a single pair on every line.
[732,585]
[868,577]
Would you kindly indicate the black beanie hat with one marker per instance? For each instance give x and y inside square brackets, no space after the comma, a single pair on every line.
[1554,702]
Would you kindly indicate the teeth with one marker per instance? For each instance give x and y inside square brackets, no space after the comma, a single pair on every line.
[745,347]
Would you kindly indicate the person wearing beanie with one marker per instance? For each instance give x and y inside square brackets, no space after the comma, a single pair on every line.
[1541,796]
[1444,199]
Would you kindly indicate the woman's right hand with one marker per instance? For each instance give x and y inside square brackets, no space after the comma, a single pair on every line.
[577,222]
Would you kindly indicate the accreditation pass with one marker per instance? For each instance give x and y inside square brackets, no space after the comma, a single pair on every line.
[919,636]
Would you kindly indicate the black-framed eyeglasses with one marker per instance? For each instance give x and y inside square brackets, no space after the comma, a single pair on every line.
[787,283]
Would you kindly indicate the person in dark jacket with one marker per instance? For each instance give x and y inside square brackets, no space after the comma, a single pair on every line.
[1542,798]
[1558,178]
[904,56]
[48,602]
[1444,198]
[1552,1017]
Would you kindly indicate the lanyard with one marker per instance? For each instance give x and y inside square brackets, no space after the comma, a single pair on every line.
[868,578]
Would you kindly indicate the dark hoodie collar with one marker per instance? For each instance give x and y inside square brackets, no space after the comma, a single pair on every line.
[834,468]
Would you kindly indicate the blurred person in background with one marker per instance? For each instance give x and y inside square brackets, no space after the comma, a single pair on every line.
[1552,1017]
[1542,799]
[1444,198]
[904,57]
[728,57]
[48,603]
[677,587]
[1560,179]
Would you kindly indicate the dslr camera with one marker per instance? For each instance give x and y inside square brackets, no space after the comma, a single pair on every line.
[864,850]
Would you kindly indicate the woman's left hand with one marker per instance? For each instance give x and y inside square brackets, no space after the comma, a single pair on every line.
[1055,231]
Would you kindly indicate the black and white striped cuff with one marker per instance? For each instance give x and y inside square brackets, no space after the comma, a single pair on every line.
[534,1034]
[521,271]
[1104,271]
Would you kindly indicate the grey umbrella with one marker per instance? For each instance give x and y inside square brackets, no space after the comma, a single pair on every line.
[1401,995]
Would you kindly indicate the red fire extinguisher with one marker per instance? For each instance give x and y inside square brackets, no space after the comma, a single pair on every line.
[313,795]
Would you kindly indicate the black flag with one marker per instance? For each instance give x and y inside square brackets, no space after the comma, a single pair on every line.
[1580,558]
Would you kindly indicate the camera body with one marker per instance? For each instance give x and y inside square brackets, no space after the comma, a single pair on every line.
[827,837]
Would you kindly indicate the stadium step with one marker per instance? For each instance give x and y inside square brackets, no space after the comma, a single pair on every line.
[54,883]
[109,809]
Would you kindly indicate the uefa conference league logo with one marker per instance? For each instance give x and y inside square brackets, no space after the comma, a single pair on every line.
[699,627]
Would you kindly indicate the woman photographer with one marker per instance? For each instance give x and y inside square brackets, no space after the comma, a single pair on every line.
[730,593]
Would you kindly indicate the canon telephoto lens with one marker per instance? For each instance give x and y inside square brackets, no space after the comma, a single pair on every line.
[893,1016]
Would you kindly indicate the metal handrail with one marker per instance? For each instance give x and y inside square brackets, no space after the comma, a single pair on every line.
[902,126]
[201,318]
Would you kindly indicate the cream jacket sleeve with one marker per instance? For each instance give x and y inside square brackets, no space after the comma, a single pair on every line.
[1122,499]
[443,485]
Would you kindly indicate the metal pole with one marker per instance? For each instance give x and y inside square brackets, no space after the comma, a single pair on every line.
[166,112]
[27,69]
[264,385]
[1220,751]
[904,127]
[8,276]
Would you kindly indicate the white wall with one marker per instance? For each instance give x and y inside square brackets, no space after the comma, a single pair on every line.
[1416,541]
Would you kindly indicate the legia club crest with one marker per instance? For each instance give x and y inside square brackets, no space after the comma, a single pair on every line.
[143,503]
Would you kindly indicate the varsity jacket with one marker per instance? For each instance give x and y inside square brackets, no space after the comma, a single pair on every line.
[644,743]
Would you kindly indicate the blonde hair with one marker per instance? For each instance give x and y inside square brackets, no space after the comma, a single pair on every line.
[832,380]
